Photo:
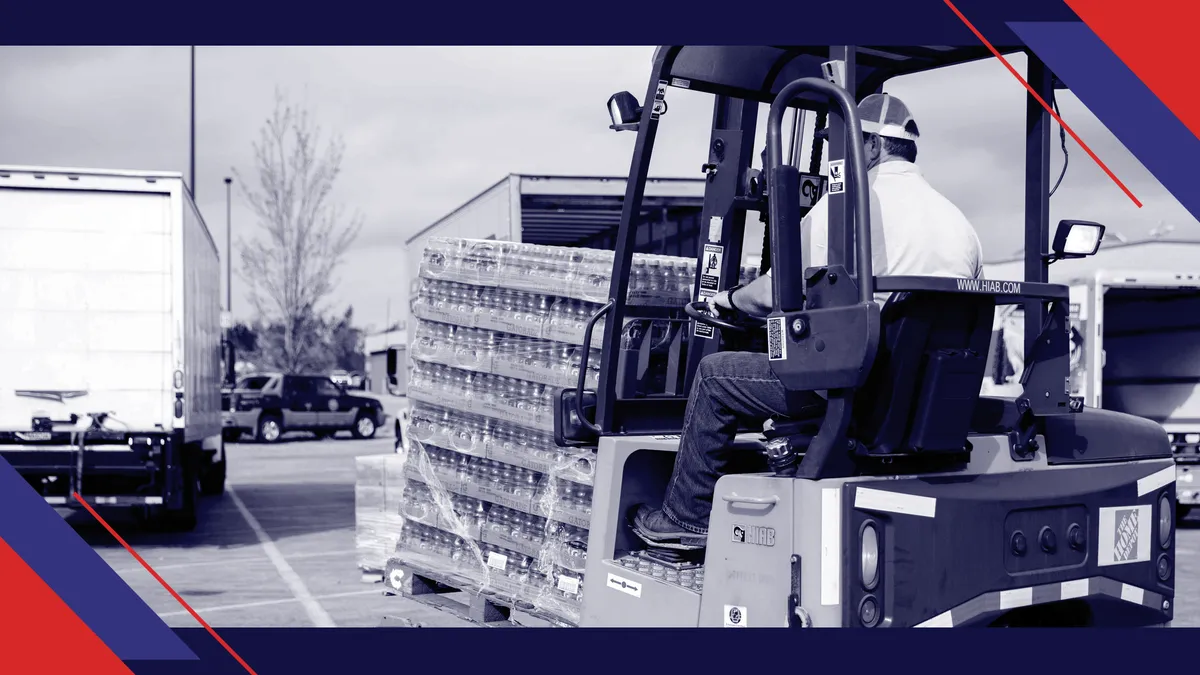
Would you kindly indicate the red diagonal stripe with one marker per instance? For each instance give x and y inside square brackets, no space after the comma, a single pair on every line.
[1069,130]
[1155,39]
[178,598]
[38,630]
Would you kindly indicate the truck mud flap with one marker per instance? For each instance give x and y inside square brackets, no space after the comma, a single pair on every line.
[964,551]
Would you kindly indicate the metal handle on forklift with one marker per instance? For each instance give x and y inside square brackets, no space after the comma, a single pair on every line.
[583,366]
[758,501]
[858,184]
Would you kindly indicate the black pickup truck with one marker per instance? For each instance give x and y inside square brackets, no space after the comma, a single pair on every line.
[267,406]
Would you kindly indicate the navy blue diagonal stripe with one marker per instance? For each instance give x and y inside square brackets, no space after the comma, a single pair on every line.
[78,575]
[1122,102]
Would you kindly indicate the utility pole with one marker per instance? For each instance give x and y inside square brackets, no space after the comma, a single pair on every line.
[192,175]
[229,246]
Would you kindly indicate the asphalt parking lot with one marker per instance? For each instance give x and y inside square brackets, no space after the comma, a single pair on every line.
[277,550]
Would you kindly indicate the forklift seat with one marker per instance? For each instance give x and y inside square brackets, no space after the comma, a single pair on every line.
[922,390]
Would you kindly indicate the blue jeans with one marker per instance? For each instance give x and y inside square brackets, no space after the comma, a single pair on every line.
[731,390]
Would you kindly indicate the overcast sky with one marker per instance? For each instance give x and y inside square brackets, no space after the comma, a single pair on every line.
[428,128]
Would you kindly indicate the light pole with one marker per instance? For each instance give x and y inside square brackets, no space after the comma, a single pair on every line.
[192,175]
[229,246]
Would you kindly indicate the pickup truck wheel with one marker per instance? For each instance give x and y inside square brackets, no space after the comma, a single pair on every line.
[270,429]
[212,484]
[364,426]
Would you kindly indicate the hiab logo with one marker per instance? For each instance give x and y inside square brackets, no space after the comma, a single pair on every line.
[754,534]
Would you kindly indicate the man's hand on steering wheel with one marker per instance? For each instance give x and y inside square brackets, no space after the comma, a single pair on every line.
[720,304]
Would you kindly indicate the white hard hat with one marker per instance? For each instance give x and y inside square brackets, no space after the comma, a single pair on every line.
[885,115]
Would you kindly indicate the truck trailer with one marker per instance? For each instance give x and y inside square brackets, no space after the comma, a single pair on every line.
[1135,348]
[110,341]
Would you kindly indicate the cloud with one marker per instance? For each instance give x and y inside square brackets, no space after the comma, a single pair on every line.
[427,128]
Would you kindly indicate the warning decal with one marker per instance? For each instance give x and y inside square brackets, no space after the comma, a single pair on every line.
[776,341]
[1125,534]
[837,177]
[710,282]
[658,105]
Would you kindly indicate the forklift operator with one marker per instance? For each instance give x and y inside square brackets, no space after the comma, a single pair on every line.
[915,231]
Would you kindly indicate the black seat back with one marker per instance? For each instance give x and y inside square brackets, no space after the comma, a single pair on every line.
[925,382]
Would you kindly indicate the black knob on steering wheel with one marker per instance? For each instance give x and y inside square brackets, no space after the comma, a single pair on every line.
[699,311]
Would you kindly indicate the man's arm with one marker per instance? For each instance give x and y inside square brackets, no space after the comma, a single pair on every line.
[754,298]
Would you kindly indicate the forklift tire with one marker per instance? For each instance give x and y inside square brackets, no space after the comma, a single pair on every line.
[364,426]
[1181,512]
[270,429]
[212,484]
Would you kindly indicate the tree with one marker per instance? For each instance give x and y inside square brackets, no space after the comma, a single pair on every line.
[290,270]
[346,344]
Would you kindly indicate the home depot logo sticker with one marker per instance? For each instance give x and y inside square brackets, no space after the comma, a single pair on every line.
[1124,535]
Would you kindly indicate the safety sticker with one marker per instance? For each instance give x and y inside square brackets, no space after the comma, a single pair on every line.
[837,177]
[716,225]
[812,186]
[624,585]
[658,104]
[680,82]
[735,617]
[776,342]
[1124,535]
[710,282]
[497,561]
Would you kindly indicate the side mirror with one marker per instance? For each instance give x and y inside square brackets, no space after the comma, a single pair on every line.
[625,112]
[1076,239]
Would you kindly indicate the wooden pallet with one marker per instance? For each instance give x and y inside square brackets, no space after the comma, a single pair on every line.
[461,599]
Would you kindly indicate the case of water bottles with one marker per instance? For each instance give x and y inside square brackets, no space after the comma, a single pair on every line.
[488,501]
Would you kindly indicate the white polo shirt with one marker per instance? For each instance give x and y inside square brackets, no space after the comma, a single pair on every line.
[915,231]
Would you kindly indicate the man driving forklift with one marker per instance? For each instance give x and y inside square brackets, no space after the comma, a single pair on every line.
[916,231]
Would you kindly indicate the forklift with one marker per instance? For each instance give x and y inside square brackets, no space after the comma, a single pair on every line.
[909,500]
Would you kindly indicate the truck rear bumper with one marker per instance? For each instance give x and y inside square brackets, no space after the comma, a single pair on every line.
[106,500]
[105,473]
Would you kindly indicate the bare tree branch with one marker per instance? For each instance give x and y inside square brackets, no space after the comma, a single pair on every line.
[303,234]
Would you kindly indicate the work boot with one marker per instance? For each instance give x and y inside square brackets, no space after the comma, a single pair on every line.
[656,529]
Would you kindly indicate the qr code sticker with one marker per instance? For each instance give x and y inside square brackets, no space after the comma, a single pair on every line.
[776,342]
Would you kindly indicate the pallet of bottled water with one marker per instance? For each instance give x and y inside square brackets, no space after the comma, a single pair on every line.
[490,504]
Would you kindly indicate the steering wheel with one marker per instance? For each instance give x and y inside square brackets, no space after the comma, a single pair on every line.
[698,310]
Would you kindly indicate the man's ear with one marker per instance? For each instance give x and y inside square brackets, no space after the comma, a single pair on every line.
[872,148]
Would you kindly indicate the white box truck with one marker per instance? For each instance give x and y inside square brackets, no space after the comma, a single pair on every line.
[1135,341]
[110,341]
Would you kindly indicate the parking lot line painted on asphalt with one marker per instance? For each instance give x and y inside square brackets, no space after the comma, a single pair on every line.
[316,613]
[268,603]
[235,561]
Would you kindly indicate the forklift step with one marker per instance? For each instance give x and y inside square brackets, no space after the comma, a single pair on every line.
[463,599]
[667,567]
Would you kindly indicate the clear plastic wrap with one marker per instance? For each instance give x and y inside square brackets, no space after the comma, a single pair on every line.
[488,502]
